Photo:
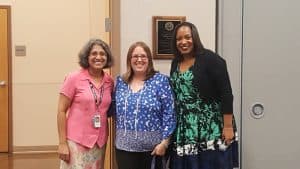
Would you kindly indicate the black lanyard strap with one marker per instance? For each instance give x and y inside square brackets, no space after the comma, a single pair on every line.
[97,102]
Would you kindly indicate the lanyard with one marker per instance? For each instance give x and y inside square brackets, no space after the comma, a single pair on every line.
[97,102]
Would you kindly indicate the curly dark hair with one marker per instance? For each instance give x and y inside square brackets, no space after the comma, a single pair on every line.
[86,49]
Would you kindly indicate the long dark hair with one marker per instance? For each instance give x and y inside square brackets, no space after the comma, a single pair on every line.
[198,46]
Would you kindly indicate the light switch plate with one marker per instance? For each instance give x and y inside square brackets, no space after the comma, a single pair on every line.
[20,50]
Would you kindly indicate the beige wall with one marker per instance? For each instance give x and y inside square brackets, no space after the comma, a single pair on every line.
[136,22]
[53,32]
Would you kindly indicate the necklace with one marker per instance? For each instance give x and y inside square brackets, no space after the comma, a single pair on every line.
[135,111]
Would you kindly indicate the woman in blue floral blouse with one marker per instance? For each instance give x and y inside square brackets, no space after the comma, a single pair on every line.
[145,116]
[205,136]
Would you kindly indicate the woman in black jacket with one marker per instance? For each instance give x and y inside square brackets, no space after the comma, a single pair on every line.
[205,137]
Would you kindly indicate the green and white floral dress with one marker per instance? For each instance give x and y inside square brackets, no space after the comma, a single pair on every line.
[199,120]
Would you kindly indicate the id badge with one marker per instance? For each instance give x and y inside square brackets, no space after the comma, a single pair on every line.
[97,121]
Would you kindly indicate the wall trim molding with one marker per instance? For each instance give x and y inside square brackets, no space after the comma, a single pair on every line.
[35,149]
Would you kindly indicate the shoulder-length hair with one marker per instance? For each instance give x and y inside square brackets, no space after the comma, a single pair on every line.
[86,49]
[127,76]
[198,46]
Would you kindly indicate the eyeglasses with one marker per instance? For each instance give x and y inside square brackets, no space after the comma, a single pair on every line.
[136,57]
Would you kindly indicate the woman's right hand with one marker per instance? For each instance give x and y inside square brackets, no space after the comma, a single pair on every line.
[63,152]
[159,150]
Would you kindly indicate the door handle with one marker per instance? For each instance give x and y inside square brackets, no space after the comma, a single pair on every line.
[2,83]
[257,110]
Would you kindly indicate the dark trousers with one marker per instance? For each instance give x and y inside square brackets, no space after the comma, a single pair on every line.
[133,160]
[136,160]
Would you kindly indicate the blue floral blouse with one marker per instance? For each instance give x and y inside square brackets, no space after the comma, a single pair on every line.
[146,117]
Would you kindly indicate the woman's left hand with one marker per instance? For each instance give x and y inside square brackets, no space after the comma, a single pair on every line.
[160,149]
[228,135]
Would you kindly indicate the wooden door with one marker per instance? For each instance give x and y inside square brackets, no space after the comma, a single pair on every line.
[4,78]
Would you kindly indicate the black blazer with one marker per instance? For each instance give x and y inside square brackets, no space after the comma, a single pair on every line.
[211,78]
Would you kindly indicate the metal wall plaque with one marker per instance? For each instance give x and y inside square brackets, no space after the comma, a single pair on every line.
[163,28]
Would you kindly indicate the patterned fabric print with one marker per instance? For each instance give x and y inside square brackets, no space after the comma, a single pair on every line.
[199,121]
[144,142]
[145,117]
[84,158]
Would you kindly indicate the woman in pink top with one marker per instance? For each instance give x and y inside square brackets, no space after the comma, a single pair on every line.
[84,100]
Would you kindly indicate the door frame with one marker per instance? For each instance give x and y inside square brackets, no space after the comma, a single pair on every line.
[229,39]
[115,34]
[9,83]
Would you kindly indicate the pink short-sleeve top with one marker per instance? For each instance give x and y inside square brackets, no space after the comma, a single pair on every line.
[77,87]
